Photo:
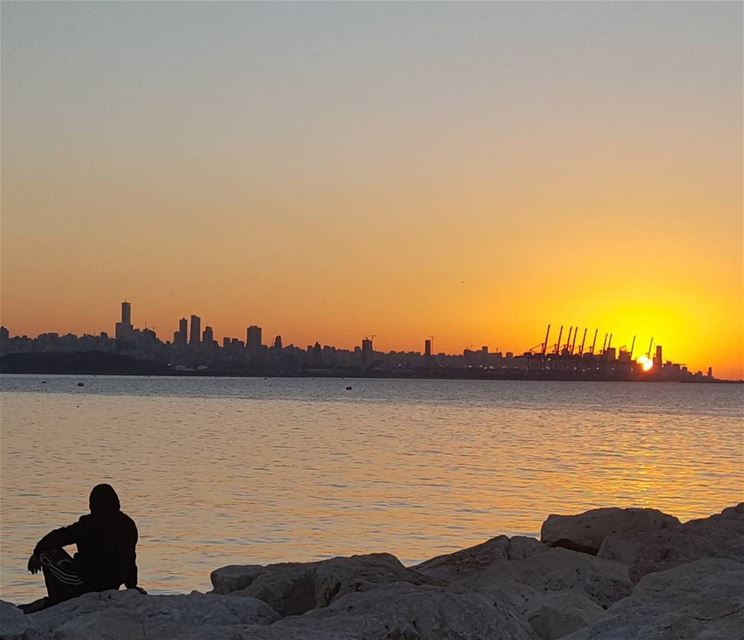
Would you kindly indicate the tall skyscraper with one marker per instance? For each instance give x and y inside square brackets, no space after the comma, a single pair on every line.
[195,330]
[253,338]
[123,329]
[427,348]
[366,350]
[278,343]
[208,336]
[183,331]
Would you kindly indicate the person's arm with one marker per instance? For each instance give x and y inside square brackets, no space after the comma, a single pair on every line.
[130,579]
[54,539]
[130,575]
[58,538]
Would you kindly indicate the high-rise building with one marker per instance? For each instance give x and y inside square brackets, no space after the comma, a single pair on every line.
[208,336]
[253,338]
[4,339]
[183,331]
[126,314]
[195,330]
[658,358]
[427,348]
[366,350]
[278,343]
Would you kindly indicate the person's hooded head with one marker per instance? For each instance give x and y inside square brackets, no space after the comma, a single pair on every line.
[103,500]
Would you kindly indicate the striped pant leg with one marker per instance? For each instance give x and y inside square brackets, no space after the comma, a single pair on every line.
[61,575]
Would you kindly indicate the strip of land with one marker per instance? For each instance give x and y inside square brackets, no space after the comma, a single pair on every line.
[109,363]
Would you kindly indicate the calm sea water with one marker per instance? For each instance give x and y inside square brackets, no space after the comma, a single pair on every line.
[246,470]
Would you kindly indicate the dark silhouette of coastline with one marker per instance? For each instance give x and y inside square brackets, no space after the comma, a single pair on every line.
[80,363]
[105,363]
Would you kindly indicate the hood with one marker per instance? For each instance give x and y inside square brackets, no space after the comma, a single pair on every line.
[103,499]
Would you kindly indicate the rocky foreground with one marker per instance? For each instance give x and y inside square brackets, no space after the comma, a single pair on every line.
[607,574]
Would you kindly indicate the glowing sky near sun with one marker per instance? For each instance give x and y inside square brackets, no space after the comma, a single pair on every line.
[327,171]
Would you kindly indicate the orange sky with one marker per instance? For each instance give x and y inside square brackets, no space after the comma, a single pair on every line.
[471,172]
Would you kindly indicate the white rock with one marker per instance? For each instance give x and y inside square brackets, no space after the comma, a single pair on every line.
[410,612]
[586,531]
[602,581]
[14,623]
[697,600]
[122,615]
[234,577]
[558,590]
[295,588]
[719,536]
[559,613]
[473,560]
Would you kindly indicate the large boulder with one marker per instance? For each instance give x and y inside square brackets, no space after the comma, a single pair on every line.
[410,612]
[474,560]
[234,577]
[558,613]
[124,615]
[586,531]
[703,600]
[602,581]
[557,590]
[719,536]
[294,588]
[14,623]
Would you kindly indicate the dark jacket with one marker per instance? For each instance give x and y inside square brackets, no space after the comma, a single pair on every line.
[106,542]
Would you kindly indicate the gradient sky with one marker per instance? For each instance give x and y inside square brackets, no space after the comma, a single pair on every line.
[328,171]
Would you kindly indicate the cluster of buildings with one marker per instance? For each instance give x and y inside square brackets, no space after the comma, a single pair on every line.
[194,349]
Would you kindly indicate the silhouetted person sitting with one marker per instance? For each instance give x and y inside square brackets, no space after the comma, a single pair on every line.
[106,540]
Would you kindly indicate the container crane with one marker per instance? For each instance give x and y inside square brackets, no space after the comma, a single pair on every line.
[545,344]
[558,343]
[583,340]
[567,346]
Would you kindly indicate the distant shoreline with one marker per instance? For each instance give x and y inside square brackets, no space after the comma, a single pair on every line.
[100,363]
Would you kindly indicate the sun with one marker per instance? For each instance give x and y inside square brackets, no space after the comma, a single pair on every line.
[646,362]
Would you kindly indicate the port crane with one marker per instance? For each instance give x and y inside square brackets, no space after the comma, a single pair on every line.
[558,342]
[567,346]
[594,342]
[583,340]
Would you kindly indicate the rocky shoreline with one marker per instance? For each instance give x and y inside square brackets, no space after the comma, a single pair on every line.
[607,574]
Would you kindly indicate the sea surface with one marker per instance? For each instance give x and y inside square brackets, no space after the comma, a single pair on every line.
[218,471]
